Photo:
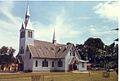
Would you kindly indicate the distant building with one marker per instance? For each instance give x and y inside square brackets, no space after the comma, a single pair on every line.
[36,55]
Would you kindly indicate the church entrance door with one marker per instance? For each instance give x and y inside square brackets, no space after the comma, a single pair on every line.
[73,66]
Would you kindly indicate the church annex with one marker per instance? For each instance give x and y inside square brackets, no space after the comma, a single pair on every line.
[37,55]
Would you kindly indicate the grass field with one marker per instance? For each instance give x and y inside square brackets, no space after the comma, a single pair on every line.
[59,76]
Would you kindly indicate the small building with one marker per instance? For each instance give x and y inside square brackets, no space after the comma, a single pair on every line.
[36,55]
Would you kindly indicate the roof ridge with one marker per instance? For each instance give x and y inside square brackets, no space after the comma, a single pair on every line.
[50,42]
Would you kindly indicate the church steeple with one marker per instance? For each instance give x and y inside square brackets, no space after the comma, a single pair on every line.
[27,21]
[54,40]
[26,32]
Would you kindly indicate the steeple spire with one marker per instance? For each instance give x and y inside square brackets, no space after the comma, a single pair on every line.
[27,23]
[54,40]
[27,11]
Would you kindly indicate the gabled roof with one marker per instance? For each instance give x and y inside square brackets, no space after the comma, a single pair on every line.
[43,49]
[74,60]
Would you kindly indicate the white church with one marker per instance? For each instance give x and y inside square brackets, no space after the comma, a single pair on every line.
[38,56]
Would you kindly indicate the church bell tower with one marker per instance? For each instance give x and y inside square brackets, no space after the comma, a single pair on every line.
[26,33]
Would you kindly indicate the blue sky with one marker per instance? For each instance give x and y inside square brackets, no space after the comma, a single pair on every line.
[73,21]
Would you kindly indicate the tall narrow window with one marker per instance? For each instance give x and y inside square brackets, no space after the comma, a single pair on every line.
[83,65]
[36,63]
[27,49]
[30,34]
[21,50]
[43,64]
[52,63]
[70,54]
[30,56]
[60,63]
[22,34]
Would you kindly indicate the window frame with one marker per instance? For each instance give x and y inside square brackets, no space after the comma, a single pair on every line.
[29,34]
[22,34]
[36,63]
[53,64]
[60,63]
[44,63]
[83,65]
[30,56]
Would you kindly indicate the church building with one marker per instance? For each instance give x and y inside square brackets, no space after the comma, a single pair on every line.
[39,56]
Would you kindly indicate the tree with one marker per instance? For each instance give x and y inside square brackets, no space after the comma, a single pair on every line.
[94,42]
[11,51]
[98,53]
[6,56]
[3,50]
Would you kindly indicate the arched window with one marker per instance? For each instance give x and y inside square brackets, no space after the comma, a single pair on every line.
[52,63]
[60,63]
[36,63]
[70,54]
[30,56]
[30,34]
[45,63]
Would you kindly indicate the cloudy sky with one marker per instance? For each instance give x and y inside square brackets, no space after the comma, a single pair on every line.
[73,21]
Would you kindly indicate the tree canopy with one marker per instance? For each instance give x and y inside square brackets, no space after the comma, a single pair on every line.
[98,53]
[6,55]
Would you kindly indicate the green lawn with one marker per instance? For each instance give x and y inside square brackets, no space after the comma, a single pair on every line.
[59,76]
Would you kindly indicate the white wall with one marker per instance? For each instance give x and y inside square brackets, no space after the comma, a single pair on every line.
[29,40]
[60,68]
[23,43]
[28,63]
[82,68]
[68,59]
[49,68]
[26,40]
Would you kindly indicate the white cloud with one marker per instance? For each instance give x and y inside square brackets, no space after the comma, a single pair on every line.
[9,28]
[83,17]
[100,31]
[6,10]
[62,28]
[108,10]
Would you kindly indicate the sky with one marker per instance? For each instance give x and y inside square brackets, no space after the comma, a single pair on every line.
[73,21]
